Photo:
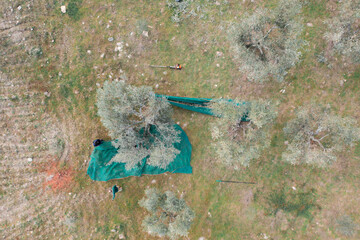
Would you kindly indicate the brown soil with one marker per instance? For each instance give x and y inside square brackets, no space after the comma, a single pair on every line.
[58,178]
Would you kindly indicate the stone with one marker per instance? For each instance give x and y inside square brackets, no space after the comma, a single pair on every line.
[63,9]
[145,33]
[157,86]
[121,236]
[110,39]
[153,181]
[341,83]
[29,159]
[219,54]
[309,24]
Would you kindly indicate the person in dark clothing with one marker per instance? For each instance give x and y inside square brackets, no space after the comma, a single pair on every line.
[114,190]
[97,142]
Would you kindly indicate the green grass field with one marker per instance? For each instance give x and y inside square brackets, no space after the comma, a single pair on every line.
[77,57]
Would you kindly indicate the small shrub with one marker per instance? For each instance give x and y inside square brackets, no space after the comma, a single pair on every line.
[36,52]
[170,216]
[142,25]
[186,9]
[73,9]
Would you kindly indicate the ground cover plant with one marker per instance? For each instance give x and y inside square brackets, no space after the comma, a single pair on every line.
[49,119]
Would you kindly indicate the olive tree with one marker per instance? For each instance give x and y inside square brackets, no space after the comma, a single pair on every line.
[344,30]
[241,132]
[267,43]
[140,124]
[170,216]
[315,135]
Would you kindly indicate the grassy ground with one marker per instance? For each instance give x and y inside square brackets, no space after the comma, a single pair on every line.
[77,57]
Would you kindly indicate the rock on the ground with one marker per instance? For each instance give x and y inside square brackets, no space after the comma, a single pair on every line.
[63,9]
[145,33]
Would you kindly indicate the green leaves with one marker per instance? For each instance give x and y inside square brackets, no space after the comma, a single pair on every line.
[242,131]
[343,31]
[170,217]
[140,124]
[267,43]
[315,135]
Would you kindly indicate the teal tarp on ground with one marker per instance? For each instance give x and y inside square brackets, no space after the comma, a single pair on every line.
[98,169]
[200,105]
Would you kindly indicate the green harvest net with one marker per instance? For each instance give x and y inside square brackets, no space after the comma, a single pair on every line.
[100,170]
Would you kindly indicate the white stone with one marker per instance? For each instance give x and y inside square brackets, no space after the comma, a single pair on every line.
[145,33]
[110,39]
[19,8]
[157,86]
[29,159]
[218,65]
[294,188]
[88,51]
[63,9]
[121,236]
[309,24]
[153,181]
